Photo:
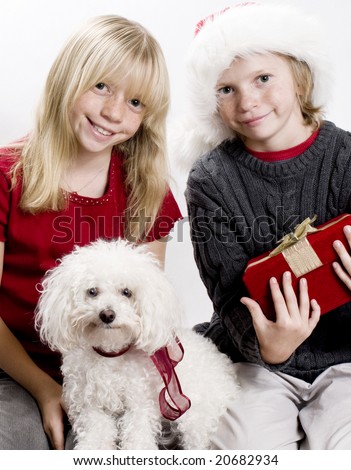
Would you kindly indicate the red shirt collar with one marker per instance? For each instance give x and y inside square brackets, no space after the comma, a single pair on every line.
[287,153]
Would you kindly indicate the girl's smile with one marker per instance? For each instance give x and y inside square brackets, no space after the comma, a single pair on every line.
[100,130]
[105,116]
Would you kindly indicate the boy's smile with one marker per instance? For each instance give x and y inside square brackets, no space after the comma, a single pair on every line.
[258,99]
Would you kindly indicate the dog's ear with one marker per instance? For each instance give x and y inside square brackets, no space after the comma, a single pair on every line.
[159,309]
[54,310]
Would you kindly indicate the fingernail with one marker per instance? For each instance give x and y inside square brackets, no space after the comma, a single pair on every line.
[337,243]
[347,229]
[303,281]
[273,280]
[287,275]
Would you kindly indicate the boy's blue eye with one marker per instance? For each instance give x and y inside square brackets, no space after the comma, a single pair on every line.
[225,90]
[264,78]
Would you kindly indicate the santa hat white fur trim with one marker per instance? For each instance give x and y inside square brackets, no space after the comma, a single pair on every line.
[240,31]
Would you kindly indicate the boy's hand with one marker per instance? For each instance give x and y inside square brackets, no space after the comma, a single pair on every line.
[344,271]
[295,320]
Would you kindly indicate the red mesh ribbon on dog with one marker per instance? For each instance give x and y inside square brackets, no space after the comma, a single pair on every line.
[173,403]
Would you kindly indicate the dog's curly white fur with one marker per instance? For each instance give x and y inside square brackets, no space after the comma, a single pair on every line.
[110,295]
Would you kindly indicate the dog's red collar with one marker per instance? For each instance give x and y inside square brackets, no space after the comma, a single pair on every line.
[111,353]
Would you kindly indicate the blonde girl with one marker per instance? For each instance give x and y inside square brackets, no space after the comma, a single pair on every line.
[94,165]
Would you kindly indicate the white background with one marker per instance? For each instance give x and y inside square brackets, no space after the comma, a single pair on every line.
[33,31]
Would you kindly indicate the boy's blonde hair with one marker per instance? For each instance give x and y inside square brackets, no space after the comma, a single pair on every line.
[107,48]
[312,114]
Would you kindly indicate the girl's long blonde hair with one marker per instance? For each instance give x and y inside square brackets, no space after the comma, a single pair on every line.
[107,48]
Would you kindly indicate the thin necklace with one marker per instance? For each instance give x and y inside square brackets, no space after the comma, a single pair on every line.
[86,184]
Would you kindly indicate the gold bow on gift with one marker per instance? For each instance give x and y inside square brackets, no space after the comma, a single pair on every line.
[300,232]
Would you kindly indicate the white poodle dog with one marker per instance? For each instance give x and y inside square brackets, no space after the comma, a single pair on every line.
[110,310]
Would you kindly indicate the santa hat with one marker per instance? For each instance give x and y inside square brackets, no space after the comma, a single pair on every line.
[241,30]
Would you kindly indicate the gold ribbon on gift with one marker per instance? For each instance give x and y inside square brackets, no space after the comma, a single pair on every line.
[300,231]
[297,250]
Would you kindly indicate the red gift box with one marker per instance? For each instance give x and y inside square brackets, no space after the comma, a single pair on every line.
[308,253]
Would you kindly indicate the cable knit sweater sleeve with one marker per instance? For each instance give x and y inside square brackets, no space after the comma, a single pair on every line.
[221,260]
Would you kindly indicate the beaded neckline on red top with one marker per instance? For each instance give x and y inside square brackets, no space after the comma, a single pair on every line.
[286,154]
[85,200]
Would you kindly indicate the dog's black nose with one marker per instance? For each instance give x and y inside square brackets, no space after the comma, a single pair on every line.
[107,315]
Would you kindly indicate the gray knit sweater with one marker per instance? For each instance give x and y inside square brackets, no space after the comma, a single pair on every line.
[239,207]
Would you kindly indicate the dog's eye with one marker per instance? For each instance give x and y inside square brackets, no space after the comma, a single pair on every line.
[126,292]
[93,292]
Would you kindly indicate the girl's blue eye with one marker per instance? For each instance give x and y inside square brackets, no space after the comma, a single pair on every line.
[100,86]
[135,103]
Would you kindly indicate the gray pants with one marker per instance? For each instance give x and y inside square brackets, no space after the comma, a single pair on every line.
[276,411]
[21,425]
[20,420]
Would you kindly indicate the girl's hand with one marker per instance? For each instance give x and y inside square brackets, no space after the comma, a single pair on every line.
[344,271]
[53,414]
[295,320]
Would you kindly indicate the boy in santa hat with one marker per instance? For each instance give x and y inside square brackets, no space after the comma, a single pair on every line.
[264,159]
